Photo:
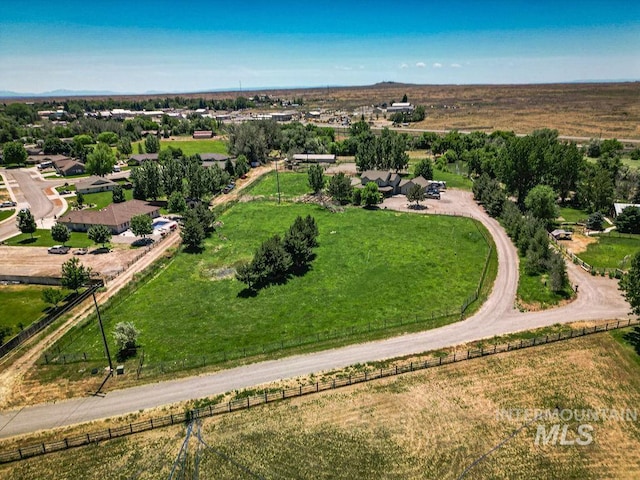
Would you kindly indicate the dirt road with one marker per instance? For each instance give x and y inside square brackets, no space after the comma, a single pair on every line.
[598,298]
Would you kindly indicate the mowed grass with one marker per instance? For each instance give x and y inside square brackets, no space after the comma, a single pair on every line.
[611,251]
[572,215]
[371,266]
[428,424]
[291,184]
[103,199]
[190,146]
[453,180]
[42,238]
[4,214]
[21,305]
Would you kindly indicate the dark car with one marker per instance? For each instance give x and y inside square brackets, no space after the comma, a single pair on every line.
[228,188]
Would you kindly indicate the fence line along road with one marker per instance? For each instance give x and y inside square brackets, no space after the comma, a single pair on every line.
[270,396]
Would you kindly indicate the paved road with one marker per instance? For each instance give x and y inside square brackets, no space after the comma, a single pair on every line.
[598,299]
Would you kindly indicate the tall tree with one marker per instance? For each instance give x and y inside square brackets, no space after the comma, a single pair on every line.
[316,178]
[101,160]
[26,222]
[416,194]
[60,233]
[340,188]
[630,284]
[370,195]
[141,225]
[99,234]
[14,153]
[541,203]
[74,274]
[152,144]
[424,169]
[52,296]
[117,194]
[192,232]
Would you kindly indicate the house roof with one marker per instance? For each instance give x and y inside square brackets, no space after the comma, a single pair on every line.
[111,216]
[141,157]
[421,181]
[66,164]
[203,133]
[314,157]
[619,207]
[373,175]
[94,181]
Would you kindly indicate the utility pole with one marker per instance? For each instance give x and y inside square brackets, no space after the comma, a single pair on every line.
[278,182]
[104,338]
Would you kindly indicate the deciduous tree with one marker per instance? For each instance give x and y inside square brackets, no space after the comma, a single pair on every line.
[52,296]
[630,284]
[101,160]
[424,169]
[74,274]
[117,194]
[415,194]
[14,153]
[99,234]
[26,222]
[316,178]
[340,188]
[60,233]
[141,225]
[370,195]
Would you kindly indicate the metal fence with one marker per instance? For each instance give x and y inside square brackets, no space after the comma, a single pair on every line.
[274,395]
[36,327]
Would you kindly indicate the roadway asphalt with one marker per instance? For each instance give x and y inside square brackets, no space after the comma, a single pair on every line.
[598,298]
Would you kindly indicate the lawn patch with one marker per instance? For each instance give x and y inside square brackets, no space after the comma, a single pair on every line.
[613,250]
[42,238]
[21,306]
[292,185]
[4,214]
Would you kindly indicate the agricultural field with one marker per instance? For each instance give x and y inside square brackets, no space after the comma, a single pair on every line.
[611,250]
[370,267]
[428,424]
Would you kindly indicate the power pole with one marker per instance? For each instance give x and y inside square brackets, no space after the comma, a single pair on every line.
[104,338]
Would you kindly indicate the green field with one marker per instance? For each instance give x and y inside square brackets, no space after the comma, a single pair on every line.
[4,214]
[453,180]
[573,215]
[292,185]
[371,266]
[21,305]
[611,250]
[533,291]
[42,238]
[190,146]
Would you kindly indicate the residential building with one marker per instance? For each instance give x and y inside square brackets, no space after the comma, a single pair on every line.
[116,216]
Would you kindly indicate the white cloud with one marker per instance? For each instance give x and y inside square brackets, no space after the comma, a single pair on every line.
[404,65]
[421,64]
[456,65]
[437,65]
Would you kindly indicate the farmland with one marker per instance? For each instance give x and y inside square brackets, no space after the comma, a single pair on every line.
[427,424]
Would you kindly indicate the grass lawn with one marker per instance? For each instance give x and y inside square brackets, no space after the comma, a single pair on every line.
[102,199]
[371,266]
[572,215]
[533,292]
[42,238]
[21,305]
[611,250]
[291,185]
[453,180]
[4,214]
[190,146]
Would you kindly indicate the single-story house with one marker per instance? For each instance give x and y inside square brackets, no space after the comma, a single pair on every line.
[388,182]
[282,116]
[95,184]
[68,167]
[314,158]
[143,157]
[117,216]
[202,134]
[34,159]
[619,207]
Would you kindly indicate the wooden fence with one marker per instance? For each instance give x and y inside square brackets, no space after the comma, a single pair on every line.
[612,272]
[270,396]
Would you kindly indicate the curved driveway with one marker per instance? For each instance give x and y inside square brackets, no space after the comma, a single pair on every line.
[598,298]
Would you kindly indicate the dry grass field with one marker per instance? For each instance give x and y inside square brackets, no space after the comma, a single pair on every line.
[574,109]
[429,424]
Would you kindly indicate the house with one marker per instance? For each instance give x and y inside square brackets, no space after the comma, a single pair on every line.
[117,216]
[95,184]
[34,159]
[619,207]
[388,182]
[406,184]
[314,158]
[219,159]
[143,157]
[202,134]
[68,167]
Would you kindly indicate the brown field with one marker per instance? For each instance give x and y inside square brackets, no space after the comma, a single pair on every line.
[576,109]
[429,424]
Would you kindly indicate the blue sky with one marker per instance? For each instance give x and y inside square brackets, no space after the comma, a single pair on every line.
[182,46]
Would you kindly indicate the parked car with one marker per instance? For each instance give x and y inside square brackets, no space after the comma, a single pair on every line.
[228,188]
[8,204]
[432,194]
[59,249]
[81,251]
